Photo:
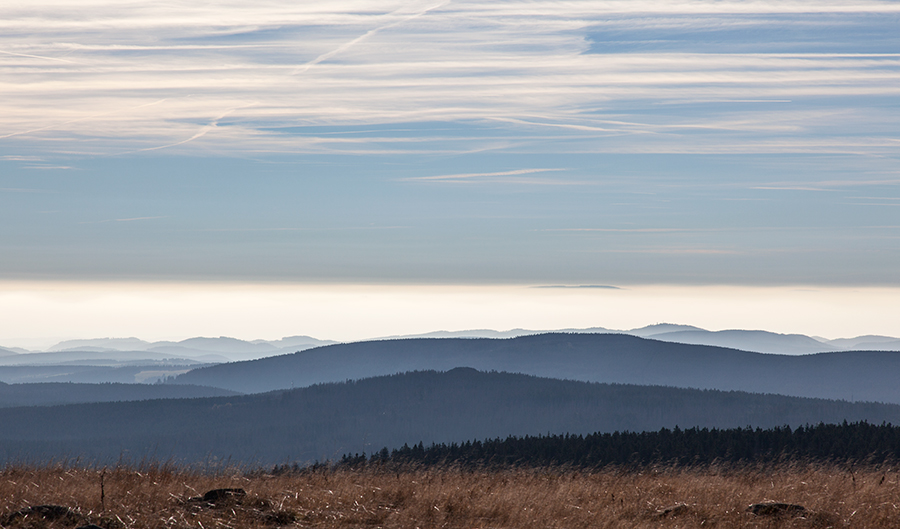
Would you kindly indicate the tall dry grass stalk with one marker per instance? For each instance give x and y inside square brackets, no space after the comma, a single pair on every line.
[160,497]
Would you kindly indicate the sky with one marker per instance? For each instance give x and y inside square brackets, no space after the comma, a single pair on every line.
[158,156]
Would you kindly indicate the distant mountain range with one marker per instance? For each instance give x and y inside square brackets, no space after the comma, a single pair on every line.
[132,360]
[326,421]
[142,373]
[753,341]
[868,343]
[107,357]
[232,349]
[229,349]
[611,358]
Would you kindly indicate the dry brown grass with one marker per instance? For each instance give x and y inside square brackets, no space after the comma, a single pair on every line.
[158,497]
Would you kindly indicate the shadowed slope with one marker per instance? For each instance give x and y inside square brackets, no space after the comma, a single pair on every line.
[326,421]
[55,393]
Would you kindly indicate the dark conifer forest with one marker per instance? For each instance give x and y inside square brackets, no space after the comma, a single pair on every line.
[845,443]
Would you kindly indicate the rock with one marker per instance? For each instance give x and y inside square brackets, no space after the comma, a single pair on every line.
[218,496]
[777,509]
[675,510]
[89,526]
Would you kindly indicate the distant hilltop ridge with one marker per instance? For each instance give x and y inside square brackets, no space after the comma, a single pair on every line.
[756,341]
[226,348]
[590,357]
[223,348]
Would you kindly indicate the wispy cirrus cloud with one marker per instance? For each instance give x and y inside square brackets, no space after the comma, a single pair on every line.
[374,62]
[570,143]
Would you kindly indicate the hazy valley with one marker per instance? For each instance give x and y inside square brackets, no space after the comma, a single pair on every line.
[335,398]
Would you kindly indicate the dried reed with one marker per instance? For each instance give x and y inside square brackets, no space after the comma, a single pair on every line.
[165,497]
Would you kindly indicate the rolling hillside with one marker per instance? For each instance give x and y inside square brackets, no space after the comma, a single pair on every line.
[613,358]
[326,421]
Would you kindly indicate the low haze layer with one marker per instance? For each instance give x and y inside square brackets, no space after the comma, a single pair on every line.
[37,315]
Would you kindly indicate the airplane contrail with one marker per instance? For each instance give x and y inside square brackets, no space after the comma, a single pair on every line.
[39,57]
[202,132]
[346,45]
[80,119]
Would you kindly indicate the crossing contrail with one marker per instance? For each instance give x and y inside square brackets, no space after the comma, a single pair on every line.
[347,45]
[202,132]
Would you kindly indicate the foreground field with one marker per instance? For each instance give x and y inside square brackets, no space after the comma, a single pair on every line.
[663,497]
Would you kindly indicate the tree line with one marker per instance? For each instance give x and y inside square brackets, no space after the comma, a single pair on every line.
[857,442]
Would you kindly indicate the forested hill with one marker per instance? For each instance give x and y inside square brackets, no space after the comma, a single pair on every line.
[55,393]
[614,358]
[326,421]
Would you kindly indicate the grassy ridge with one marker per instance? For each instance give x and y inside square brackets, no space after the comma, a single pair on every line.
[160,497]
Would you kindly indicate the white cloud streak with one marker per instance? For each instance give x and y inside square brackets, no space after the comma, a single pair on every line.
[130,219]
[470,176]
[520,69]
